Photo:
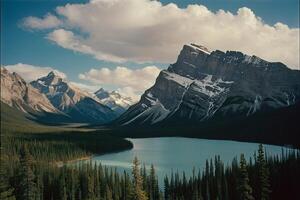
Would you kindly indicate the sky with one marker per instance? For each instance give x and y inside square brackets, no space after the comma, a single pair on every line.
[123,44]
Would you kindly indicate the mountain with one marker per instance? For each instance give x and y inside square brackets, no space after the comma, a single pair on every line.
[204,86]
[79,105]
[16,93]
[17,121]
[114,100]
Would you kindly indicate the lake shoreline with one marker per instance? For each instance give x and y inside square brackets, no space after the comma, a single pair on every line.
[181,154]
[62,163]
[88,157]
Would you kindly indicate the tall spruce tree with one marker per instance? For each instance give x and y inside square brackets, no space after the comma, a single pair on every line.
[6,192]
[62,188]
[154,193]
[27,184]
[263,175]
[108,193]
[166,188]
[137,193]
[244,189]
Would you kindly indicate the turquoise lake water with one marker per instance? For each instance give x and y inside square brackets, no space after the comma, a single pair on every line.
[180,154]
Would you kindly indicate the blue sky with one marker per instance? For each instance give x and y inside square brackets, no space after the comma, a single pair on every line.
[22,45]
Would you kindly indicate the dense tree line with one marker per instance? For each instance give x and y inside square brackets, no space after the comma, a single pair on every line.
[60,146]
[261,178]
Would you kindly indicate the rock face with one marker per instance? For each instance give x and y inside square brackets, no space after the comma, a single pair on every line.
[114,100]
[18,94]
[205,85]
[79,105]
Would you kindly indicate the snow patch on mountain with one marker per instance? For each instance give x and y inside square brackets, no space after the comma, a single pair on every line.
[203,85]
[184,81]
[70,99]
[114,100]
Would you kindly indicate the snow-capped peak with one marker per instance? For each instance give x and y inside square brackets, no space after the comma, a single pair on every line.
[199,47]
[59,91]
[57,74]
[114,100]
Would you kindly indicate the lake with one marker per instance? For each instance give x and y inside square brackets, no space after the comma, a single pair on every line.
[180,154]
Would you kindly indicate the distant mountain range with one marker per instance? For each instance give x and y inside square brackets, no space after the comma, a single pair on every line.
[114,100]
[219,95]
[205,86]
[53,96]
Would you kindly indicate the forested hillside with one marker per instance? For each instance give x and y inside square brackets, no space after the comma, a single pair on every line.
[260,178]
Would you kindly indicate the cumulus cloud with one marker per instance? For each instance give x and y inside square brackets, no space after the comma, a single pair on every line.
[68,40]
[128,81]
[31,72]
[129,92]
[144,30]
[48,21]
[85,87]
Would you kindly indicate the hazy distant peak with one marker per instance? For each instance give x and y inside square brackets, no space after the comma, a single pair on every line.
[114,100]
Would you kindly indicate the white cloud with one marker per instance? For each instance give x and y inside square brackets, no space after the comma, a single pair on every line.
[128,81]
[68,40]
[144,30]
[31,72]
[49,21]
[129,92]
[85,87]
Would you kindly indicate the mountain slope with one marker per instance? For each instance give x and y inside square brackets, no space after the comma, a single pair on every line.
[18,94]
[14,121]
[114,100]
[204,86]
[79,105]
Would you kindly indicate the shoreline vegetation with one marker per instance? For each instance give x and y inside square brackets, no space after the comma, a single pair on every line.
[26,172]
[261,177]
[62,163]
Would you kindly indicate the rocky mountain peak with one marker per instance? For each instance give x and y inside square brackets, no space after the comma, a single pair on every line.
[203,85]
[201,48]
[116,94]
[114,100]
[102,94]
[78,104]
[53,78]
[17,93]
[4,70]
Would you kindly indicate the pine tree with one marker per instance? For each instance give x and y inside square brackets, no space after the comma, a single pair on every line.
[137,193]
[6,192]
[90,187]
[153,184]
[27,184]
[62,188]
[167,188]
[127,186]
[263,175]
[244,189]
[108,193]
[40,187]
[97,182]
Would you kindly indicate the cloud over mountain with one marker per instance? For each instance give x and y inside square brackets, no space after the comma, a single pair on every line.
[31,72]
[144,30]
[129,81]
